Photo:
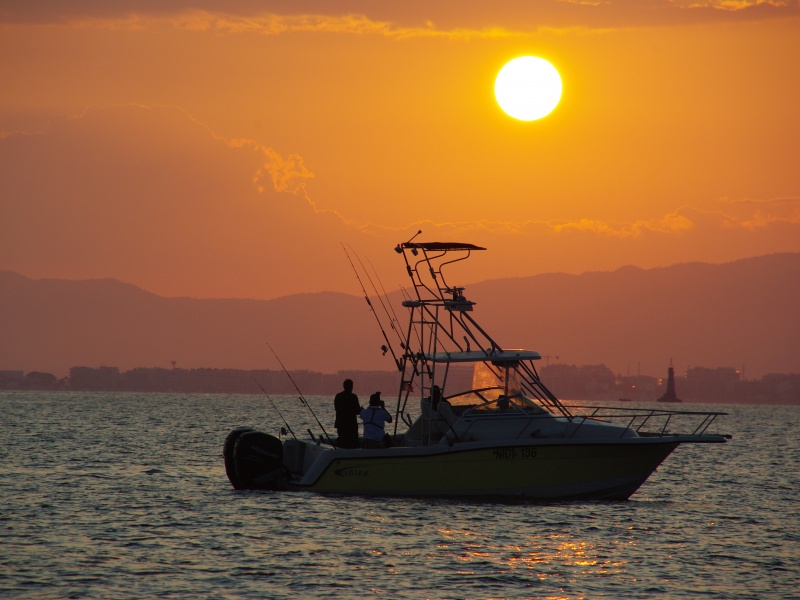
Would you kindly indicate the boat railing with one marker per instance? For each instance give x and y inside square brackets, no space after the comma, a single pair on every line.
[651,422]
[662,423]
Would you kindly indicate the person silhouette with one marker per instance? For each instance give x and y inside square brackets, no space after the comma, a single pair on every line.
[375,417]
[436,396]
[347,410]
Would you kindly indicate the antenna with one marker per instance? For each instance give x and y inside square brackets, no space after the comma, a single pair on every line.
[399,247]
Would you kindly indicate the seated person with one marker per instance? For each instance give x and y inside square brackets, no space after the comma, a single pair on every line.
[436,396]
[447,417]
[441,411]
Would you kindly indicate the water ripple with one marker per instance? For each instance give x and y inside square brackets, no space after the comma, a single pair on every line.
[125,495]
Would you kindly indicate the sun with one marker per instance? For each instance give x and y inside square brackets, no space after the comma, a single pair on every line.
[528,88]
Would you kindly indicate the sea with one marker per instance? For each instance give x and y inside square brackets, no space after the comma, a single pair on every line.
[124,495]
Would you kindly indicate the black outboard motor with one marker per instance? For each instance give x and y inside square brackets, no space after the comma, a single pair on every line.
[254,460]
[227,454]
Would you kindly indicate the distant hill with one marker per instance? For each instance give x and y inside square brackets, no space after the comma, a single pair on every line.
[745,312]
[51,325]
[740,313]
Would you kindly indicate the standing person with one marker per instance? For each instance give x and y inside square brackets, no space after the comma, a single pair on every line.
[347,410]
[375,417]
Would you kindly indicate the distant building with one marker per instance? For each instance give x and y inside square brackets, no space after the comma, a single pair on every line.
[703,384]
[587,382]
[11,380]
[640,388]
[578,382]
[38,380]
[90,378]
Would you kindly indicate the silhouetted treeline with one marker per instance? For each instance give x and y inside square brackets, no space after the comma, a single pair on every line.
[587,382]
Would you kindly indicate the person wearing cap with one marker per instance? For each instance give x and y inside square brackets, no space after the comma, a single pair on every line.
[375,417]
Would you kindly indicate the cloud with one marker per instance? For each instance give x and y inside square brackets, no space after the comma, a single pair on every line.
[286,174]
[688,219]
[760,213]
[684,221]
[153,197]
[148,195]
[680,222]
[268,24]
[414,18]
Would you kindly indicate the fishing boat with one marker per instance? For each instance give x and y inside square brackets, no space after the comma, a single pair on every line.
[499,433]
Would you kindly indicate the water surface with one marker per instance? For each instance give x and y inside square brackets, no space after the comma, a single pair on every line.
[125,496]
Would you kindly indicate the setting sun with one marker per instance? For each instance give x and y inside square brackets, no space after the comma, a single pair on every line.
[528,88]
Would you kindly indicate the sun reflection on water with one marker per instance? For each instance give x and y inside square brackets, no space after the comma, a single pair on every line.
[555,558]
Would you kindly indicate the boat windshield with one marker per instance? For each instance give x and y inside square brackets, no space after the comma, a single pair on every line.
[494,390]
[485,376]
[493,399]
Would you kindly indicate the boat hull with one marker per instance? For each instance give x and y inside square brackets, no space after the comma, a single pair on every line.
[545,471]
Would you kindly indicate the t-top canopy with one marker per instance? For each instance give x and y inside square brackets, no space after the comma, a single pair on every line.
[500,356]
[441,246]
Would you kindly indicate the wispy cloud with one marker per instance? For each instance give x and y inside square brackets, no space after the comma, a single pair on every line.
[759,213]
[733,5]
[281,24]
[682,221]
[107,209]
[411,19]
[288,174]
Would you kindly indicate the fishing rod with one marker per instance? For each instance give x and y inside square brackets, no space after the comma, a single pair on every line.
[388,347]
[285,422]
[385,295]
[302,398]
[380,296]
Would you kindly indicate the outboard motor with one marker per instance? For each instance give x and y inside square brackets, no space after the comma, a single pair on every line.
[257,460]
[227,454]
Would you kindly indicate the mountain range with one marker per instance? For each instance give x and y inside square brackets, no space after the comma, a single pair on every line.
[743,314]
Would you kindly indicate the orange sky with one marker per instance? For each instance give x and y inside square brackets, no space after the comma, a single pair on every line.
[218,149]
